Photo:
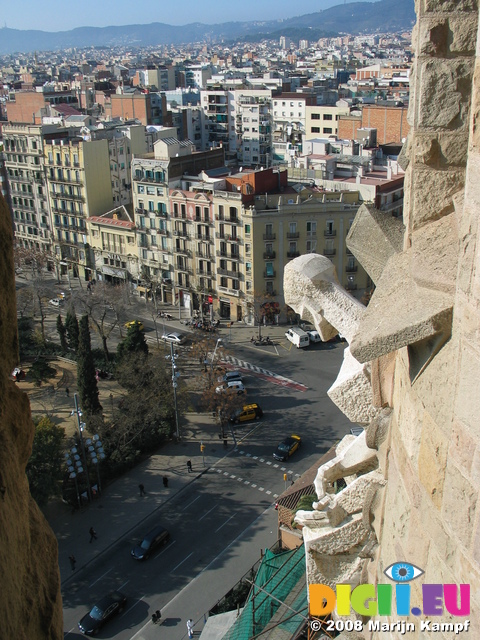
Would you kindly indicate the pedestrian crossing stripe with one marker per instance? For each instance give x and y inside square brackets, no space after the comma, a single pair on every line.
[269,375]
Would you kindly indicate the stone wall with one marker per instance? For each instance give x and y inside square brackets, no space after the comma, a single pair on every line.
[417,343]
[30,604]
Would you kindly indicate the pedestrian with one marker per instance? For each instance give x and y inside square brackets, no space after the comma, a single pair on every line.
[67,391]
[189,466]
[142,490]
[205,363]
[165,482]
[93,534]
[73,561]
[190,628]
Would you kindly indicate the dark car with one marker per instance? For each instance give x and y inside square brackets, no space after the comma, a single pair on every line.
[151,541]
[100,614]
[287,447]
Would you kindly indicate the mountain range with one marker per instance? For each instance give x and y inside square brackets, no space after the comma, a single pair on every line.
[385,16]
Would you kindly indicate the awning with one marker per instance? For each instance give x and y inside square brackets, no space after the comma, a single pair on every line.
[116,273]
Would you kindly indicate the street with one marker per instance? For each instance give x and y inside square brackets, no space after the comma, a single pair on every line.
[221,519]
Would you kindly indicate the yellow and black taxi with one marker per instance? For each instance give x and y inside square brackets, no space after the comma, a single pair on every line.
[246,413]
[287,447]
[133,323]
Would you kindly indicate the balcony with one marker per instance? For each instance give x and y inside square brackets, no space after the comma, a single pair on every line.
[330,233]
[163,232]
[182,251]
[269,274]
[292,235]
[230,274]
[311,234]
[351,269]
[203,236]
[329,252]
[269,236]
[269,255]
[293,254]
[181,232]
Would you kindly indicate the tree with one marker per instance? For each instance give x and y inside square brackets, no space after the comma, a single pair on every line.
[71,326]
[44,468]
[62,332]
[41,371]
[134,342]
[146,416]
[97,306]
[263,308]
[86,380]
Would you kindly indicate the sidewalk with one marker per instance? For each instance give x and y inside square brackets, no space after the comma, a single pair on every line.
[120,509]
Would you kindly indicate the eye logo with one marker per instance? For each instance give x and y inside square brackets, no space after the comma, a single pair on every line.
[403,572]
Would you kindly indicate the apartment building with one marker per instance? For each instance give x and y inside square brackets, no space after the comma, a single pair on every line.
[25,169]
[322,121]
[79,186]
[164,231]
[289,122]
[112,237]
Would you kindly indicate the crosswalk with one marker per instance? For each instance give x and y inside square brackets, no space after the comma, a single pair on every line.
[248,367]
[248,483]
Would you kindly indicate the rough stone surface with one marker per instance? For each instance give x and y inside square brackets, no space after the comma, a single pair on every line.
[30,606]
[374,238]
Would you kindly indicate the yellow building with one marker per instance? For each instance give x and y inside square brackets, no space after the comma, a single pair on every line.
[322,121]
[113,242]
[79,186]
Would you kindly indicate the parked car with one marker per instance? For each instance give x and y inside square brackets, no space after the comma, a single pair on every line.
[287,447]
[132,323]
[55,302]
[102,612]
[247,413]
[298,337]
[176,338]
[314,336]
[234,386]
[154,538]
[230,376]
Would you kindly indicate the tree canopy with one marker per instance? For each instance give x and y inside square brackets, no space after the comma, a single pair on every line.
[45,466]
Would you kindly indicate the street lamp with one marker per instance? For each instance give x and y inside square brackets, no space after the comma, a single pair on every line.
[215,351]
[74,467]
[175,376]
[81,426]
[95,449]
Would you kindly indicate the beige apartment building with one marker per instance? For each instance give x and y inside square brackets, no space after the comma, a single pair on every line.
[79,186]
[24,163]
[322,121]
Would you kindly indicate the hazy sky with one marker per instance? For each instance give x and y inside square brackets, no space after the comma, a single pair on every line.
[62,15]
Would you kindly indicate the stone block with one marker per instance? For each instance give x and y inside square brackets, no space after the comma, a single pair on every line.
[460,499]
[467,402]
[432,35]
[373,228]
[441,150]
[450,5]
[462,444]
[446,82]
[462,37]
[432,460]
[445,184]
[401,313]
[435,265]
[352,390]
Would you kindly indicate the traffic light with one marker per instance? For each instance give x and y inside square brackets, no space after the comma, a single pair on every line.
[202,448]
[285,477]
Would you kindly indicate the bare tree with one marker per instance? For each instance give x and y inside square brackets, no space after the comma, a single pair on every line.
[97,306]
[25,301]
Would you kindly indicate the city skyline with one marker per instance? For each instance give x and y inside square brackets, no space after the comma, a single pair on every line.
[56,15]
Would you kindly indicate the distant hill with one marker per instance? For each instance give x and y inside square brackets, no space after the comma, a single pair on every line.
[385,16]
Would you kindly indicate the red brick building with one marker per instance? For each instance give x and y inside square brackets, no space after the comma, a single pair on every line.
[390,122]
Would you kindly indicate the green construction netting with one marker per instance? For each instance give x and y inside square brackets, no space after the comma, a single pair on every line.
[281,575]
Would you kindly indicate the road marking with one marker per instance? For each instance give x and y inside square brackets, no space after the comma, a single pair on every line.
[255,457]
[269,462]
[222,525]
[262,460]
[102,576]
[240,479]
[190,503]
[254,486]
[184,560]
[269,493]
[261,488]
[123,585]
[276,466]
[128,609]
[249,455]
[270,376]
[233,477]
[206,514]
[247,481]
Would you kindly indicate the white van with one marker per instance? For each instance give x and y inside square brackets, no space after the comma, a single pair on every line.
[298,337]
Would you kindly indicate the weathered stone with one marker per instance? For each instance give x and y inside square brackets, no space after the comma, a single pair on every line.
[463,34]
[460,499]
[447,82]
[400,313]
[432,36]
[432,460]
[373,228]
[451,5]
[443,183]
[441,150]
[311,286]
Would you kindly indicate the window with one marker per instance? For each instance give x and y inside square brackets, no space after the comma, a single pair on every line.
[269,286]
[311,228]
[327,116]
[292,227]
[152,223]
[315,116]
[314,129]
[248,267]
[141,188]
[269,271]
[248,249]
[292,247]
[247,229]
[206,214]
[327,130]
